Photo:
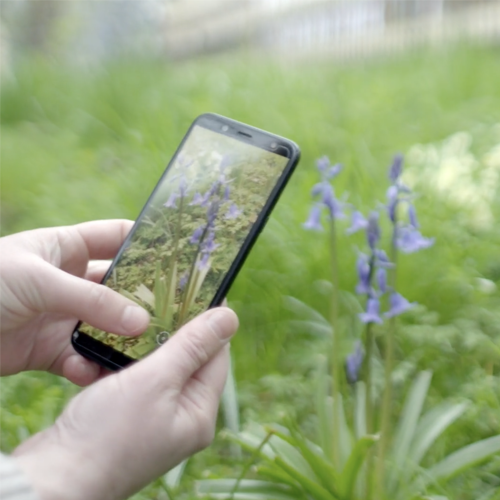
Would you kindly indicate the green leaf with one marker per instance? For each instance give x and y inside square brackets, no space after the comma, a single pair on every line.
[345,433]
[302,309]
[312,487]
[353,465]
[360,411]
[324,410]
[465,458]
[320,465]
[431,426]
[405,432]
[315,328]
[248,489]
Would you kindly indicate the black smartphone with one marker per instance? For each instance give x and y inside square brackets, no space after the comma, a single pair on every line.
[193,234]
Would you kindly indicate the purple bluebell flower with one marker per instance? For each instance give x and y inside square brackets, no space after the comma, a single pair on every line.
[358,222]
[323,163]
[412,216]
[392,202]
[353,363]
[363,269]
[233,212]
[314,221]
[398,305]
[195,238]
[396,168]
[227,193]
[329,200]
[373,230]
[382,279]
[170,203]
[381,259]
[209,244]
[183,187]
[372,314]
[409,240]
[197,199]
[212,212]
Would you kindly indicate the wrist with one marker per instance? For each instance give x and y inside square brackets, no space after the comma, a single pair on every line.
[57,471]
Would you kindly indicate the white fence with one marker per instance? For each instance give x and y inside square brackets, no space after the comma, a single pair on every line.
[335,28]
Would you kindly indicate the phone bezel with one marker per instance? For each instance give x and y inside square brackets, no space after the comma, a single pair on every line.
[111,358]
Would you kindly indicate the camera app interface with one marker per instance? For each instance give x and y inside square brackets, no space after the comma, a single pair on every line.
[190,233]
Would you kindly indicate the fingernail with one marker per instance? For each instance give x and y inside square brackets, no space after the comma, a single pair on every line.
[134,319]
[223,323]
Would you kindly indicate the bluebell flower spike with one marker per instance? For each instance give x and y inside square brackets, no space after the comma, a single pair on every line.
[399,305]
[372,314]
[354,362]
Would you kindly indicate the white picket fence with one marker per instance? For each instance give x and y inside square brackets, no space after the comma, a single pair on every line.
[332,28]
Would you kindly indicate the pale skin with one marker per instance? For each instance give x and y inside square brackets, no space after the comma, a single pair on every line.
[129,427]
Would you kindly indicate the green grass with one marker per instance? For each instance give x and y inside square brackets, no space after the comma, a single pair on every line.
[79,145]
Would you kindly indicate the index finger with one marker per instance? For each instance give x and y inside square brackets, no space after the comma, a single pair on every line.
[89,240]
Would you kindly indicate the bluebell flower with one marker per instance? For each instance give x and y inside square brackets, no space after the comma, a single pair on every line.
[396,168]
[195,238]
[381,259]
[209,244]
[392,202]
[358,222]
[227,192]
[329,200]
[170,203]
[412,216]
[409,240]
[382,279]
[314,220]
[354,362]
[372,314]
[363,270]
[373,230]
[233,212]
[398,305]
[328,172]
[197,199]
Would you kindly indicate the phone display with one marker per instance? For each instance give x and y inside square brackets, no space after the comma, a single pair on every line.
[194,232]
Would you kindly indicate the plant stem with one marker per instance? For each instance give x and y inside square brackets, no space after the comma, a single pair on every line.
[388,367]
[369,407]
[335,361]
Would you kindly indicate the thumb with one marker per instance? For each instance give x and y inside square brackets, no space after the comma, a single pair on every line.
[189,349]
[95,304]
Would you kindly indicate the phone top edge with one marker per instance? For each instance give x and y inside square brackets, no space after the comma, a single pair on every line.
[247,133]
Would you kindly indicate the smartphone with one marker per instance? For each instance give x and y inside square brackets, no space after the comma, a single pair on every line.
[194,233]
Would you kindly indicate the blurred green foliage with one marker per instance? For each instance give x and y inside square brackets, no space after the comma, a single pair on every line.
[80,144]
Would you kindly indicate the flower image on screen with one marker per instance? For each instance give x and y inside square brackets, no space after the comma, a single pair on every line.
[190,233]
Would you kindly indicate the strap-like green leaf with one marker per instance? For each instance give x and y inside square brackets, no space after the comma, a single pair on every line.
[312,487]
[465,458]
[405,432]
[431,426]
[248,489]
[353,465]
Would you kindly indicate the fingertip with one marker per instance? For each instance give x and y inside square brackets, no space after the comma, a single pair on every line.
[224,322]
[135,320]
[80,371]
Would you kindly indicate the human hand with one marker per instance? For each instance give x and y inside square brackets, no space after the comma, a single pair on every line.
[47,285]
[132,426]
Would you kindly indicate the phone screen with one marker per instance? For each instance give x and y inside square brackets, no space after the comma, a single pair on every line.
[190,233]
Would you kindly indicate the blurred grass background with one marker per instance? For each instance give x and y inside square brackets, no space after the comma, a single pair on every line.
[90,143]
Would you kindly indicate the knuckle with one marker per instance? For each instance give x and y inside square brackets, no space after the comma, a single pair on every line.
[98,297]
[196,349]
